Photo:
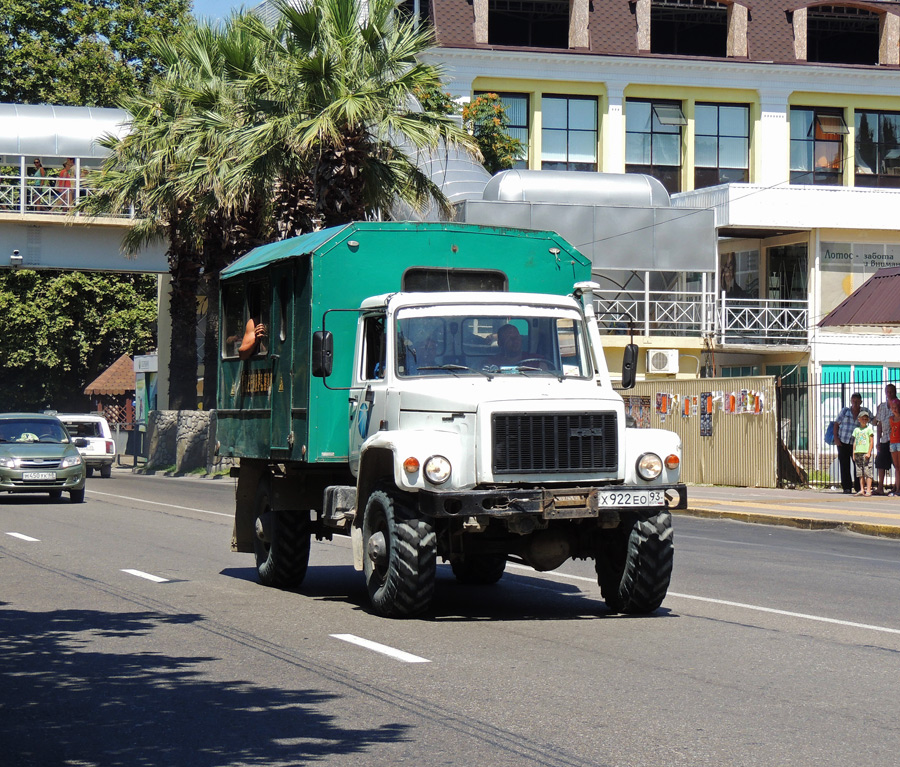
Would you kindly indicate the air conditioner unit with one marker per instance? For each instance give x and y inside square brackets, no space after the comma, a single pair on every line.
[662,360]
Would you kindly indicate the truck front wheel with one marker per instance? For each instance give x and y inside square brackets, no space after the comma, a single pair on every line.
[280,543]
[399,556]
[634,564]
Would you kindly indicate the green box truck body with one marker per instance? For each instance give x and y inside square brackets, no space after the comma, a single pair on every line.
[380,402]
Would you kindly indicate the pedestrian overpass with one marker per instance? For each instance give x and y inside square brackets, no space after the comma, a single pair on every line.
[39,228]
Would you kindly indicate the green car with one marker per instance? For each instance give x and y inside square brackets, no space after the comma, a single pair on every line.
[38,456]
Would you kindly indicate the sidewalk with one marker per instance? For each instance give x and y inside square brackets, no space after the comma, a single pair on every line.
[807,509]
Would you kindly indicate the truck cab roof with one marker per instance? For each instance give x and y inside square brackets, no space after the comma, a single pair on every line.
[478,298]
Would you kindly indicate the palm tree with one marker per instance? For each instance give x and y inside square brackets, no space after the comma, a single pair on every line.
[335,95]
[255,134]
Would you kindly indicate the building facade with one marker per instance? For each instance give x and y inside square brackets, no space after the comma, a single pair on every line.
[782,118]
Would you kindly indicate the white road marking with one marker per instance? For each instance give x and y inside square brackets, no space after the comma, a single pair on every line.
[25,537]
[139,574]
[726,603]
[157,503]
[787,613]
[382,648]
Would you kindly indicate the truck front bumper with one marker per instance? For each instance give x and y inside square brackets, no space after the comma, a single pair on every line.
[553,503]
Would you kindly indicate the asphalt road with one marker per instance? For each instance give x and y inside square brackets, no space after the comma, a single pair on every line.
[132,636]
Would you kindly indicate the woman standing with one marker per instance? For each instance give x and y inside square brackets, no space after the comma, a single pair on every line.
[65,182]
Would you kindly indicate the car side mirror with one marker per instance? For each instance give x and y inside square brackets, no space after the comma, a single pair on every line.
[80,442]
[322,353]
[629,366]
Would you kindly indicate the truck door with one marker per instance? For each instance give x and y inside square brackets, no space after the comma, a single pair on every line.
[280,357]
[367,397]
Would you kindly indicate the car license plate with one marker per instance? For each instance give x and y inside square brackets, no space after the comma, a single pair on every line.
[38,475]
[627,498]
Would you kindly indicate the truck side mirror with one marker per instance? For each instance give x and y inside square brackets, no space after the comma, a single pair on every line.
[629,366]
[322,353]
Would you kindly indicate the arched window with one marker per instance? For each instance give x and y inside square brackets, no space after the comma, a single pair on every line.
[689,27]
[842,34]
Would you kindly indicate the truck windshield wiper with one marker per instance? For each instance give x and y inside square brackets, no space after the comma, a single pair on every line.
[451,367]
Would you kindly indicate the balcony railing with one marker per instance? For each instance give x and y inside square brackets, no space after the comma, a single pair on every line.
[700,313]
[757,321]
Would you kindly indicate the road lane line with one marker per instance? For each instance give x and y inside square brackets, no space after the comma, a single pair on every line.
[140,574]
[742,605]
[157,503]
[382,648]
[787,613]
[25,537]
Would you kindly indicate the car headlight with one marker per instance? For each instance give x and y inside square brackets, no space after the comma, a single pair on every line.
[9,463]
[69,461]
[649,466]
[437,469]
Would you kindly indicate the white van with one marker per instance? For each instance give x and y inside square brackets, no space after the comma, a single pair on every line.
[100,451]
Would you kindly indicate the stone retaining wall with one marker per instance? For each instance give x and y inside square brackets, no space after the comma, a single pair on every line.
[183,439]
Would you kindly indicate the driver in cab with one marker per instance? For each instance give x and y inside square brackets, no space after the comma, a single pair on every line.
[509,347]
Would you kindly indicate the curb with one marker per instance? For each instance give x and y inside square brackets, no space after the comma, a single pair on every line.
[801,523]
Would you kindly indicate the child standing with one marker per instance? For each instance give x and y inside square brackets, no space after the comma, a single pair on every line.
[863,445]
[894,423]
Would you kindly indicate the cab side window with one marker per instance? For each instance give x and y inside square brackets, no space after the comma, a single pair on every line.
[375,343]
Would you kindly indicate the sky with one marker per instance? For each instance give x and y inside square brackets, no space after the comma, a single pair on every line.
[220,9]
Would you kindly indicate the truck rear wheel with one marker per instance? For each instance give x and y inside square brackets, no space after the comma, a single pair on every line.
[482,569]
[634,564]
[281,543]
[399,556]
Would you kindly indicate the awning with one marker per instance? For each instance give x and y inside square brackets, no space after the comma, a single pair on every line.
[875,302]
[118,378]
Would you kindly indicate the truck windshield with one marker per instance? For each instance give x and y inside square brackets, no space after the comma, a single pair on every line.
[431,341]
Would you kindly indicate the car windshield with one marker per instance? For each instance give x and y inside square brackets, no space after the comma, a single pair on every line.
[545,342]
[31,430]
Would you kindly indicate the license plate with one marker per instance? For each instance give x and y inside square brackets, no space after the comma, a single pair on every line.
[38,475]
[629,498]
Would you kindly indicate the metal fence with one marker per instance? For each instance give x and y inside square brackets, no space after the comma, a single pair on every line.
[804,412]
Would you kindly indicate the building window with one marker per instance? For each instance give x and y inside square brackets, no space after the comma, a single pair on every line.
[838,34]
[721,144]
[543,24]
[739,371]
[569,133]
[817,146]
[653,140]
[517,112]
[877,156]
[688,27]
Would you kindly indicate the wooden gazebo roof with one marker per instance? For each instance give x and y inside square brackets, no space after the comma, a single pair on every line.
[118,378]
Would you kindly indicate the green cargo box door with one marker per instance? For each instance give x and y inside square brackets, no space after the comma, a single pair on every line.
[281,356]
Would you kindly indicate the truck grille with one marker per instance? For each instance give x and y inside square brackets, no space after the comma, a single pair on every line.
[547,443]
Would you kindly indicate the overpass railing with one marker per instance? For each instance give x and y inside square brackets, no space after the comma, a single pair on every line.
[50,194]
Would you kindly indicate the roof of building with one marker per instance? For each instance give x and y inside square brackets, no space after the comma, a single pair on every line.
[118,378]
[875,302]
[47,130]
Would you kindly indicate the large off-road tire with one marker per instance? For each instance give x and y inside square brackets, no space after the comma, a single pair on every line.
[281,542]
[399,556]
[634,564]
[479,569]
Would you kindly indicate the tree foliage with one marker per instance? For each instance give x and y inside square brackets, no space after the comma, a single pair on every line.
[81,52]
[62,329]
[486,119]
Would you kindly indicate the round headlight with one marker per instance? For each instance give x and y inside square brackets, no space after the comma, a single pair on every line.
[437,469]
[649,466]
